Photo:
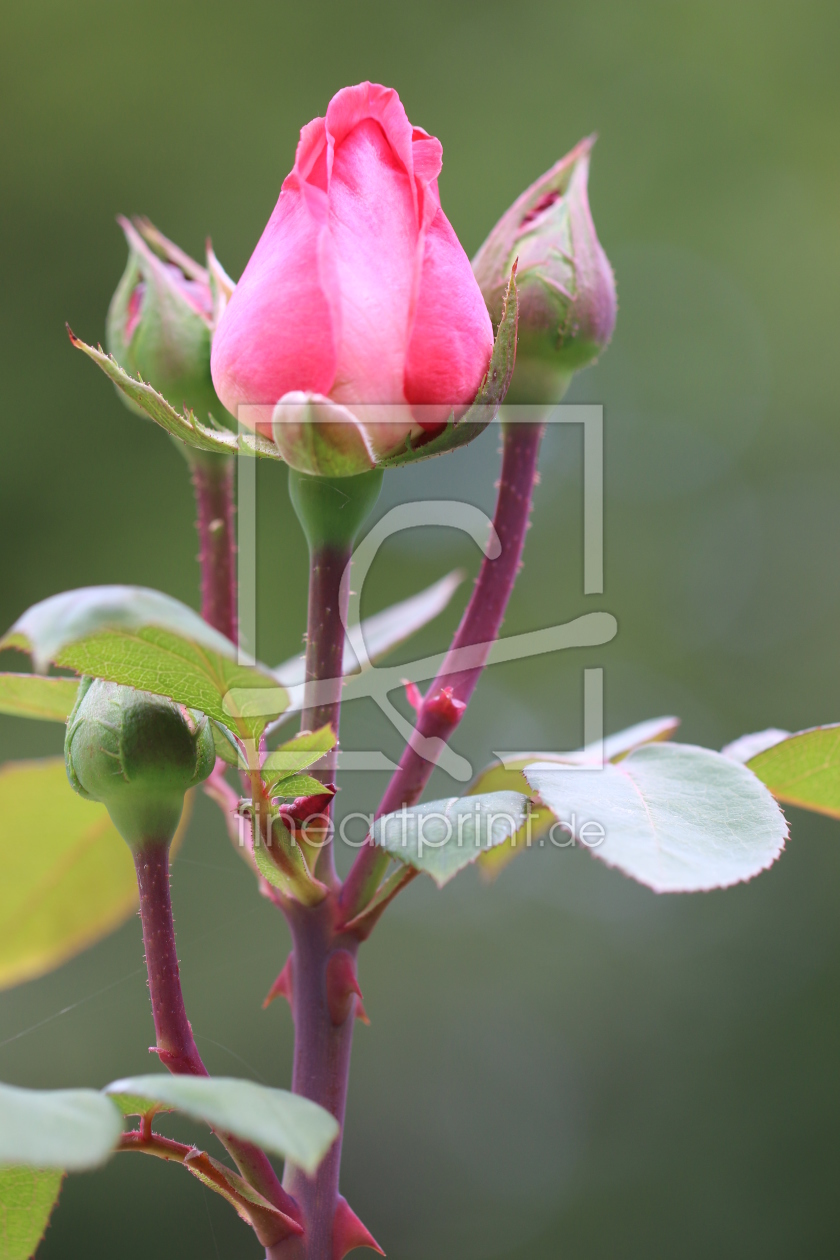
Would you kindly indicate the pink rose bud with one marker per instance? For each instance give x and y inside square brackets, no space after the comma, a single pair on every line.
[358,308]
[567,300]
[161,319]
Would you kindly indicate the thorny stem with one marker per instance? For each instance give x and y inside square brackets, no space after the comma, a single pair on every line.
[175,1042]
[480,625]
[212,477]
[321,1065]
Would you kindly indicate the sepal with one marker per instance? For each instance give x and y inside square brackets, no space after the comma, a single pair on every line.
[284,867]
[319,437]
[179,424]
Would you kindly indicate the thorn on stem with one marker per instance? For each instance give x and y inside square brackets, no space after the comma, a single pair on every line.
[349,1232]
[282,986]
[343,988]
[413,695]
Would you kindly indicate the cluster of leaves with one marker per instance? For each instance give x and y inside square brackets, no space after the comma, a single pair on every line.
[46,1133]
[674,817]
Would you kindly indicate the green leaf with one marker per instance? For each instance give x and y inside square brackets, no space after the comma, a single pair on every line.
[27,1198]
[297,785]
[440,838]
[284,867]
[34,696]
[507,774]
[147,640]
[284,1124]
[674,817]
[490,395]
[380,634]
[71,1129]
[227,747]
[66,877]
[180,424]
[298,754]
[804,770]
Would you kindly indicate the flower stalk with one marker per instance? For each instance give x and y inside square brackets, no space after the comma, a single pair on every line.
[212,477]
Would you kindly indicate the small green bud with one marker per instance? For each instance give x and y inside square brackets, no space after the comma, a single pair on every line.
[567,301]
[138,754]
[161,320]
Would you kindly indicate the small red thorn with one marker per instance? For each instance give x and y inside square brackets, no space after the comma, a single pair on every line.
[413,695]
[282,986]
[361,1014]
[349,1232]
[342,986]
[445,705]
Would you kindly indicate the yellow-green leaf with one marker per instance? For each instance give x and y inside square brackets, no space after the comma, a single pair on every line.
[27,1198]
[66,875]
[35,696]
[804,770]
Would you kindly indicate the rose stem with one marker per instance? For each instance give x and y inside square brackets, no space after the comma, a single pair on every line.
[481,623]
[324,655]
[323,1042]
[212,477]
[331,512]
[175,1042]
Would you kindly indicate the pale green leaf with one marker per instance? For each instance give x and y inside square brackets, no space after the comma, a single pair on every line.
[66,875]
[27,1198]
[804,770]
[440,838]
[675,817]
[284,1124]
[71,1129]
[35,696]
[147,640]
[748,746]
[507,774]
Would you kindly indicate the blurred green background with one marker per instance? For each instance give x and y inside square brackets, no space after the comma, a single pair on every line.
[563,1064]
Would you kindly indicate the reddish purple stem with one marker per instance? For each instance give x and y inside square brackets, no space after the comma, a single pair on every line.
[213,482]
[324,658]
[175,1042]
[321,1065]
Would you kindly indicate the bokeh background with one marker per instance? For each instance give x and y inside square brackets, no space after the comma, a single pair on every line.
[563,1064]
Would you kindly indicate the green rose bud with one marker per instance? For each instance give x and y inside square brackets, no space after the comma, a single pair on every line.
[138,754]
[161,320]
[567,300]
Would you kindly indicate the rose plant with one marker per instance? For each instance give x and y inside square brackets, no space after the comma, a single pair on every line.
[358,339]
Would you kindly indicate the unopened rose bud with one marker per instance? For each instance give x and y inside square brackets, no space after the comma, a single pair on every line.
[138,754]
[161,319]
[358,296]
[567,300]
